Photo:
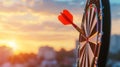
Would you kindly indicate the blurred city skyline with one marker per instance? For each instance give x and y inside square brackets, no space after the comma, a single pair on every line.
[27,25]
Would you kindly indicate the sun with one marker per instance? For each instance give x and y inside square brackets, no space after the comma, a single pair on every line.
[12,45]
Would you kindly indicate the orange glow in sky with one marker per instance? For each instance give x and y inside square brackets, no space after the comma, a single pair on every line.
[11,44]
[26,25]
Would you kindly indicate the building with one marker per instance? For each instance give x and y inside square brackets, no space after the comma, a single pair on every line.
[49,57]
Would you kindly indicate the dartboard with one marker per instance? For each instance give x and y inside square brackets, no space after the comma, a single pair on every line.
[94,41]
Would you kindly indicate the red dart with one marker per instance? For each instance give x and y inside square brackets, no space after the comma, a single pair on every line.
[66,18]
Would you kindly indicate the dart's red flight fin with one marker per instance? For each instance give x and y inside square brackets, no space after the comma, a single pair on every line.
[66,17]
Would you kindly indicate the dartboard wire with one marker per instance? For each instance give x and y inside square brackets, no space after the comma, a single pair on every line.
[93,29]
[92,22]
[100,31]
[97,47]
[81,59]
[88,58]
[88,61]
[89,10]
[90,16]
[87,24]
[82,51]
[82,24]
[91,54]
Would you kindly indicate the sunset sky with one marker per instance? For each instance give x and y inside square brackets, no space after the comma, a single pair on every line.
[30,24]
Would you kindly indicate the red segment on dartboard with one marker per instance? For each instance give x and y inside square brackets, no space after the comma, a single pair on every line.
[66,17]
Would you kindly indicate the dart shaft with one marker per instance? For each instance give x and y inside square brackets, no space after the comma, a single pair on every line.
[74,25]
[77,28]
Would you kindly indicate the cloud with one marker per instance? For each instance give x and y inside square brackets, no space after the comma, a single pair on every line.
[35,21]
[50,6]
[45,26]
[55,7]
[8,3]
